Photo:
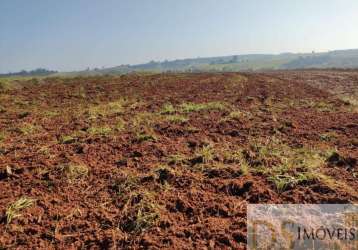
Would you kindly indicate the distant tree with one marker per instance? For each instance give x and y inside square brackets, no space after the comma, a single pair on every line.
[36,72]
[234,59]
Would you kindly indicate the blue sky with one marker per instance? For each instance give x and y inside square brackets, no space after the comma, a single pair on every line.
[75,34]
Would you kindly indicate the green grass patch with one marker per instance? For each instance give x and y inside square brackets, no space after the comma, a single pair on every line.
[236,115]
[236,157]
[120,125]
[206,154]
[28,129]
[140,212]
[283,165]
[146,136]
[51,113]
[107,109]
[71,138]
[4,85]
[176,118]
[195,107]
[102,131]
[67,139]
[126,185]
[2,136]
[177,159]
[145,120]
[2,109]
[168,109]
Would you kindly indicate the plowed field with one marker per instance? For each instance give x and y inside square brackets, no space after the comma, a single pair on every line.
[170,160]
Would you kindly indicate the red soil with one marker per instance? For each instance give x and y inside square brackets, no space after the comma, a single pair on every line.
[198,205]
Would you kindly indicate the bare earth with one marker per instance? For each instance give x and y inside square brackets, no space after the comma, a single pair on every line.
[170,160]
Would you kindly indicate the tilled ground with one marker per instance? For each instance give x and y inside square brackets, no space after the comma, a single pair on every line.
[169,160]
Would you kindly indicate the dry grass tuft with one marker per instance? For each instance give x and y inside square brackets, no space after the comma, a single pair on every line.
[13,211]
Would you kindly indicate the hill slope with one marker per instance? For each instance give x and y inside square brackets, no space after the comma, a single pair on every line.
[233,63]
[332,59]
